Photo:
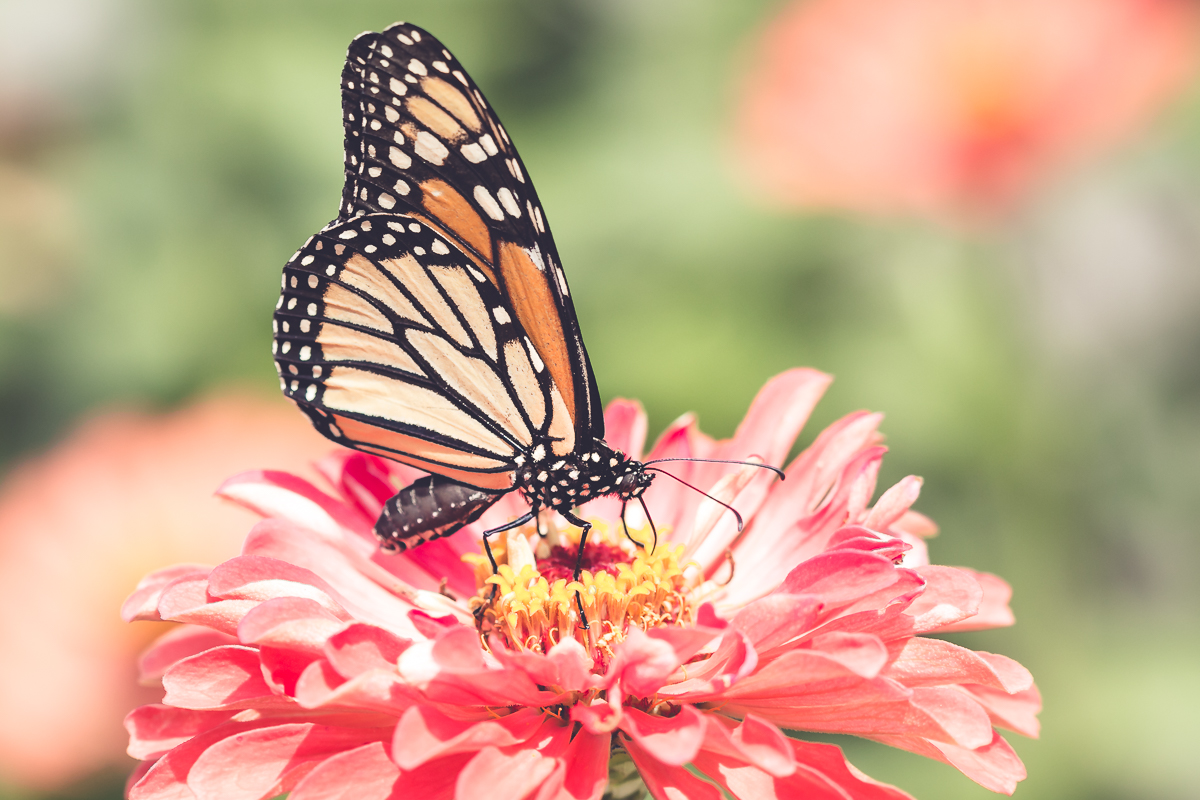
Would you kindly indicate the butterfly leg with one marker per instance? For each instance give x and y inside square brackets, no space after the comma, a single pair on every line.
[625,525]
[587,527]
[516,523]
[650,519]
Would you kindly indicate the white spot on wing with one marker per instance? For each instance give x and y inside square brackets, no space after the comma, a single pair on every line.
[488,203]
[430,148]
[306,260]
[399,158]
[347,234]
[386,201]
[397,87]
[473,152]
[439,247]
[533,355]
[501,315]
[417,67]
[489,144]
[509,202]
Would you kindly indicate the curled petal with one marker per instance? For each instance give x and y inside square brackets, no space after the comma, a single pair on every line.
[666,781]
[363,773]
[292,623]
[672,740]
[156,729]
[223,677]
[177,644]
[993,610]
[424,733]
[994,765]
[143,603]
[501,775]
[270,760]
[893,504]
[360,647]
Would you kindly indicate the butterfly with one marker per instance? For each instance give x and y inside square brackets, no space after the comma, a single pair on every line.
[431,321]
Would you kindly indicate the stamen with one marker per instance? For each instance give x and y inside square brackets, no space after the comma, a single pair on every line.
[533,604]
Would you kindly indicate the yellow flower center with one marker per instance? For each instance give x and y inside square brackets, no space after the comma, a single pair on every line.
[531,599]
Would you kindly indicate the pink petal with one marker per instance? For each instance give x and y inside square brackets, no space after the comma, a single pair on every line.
[994,611]
[292,623]
[155,729]
[733,659]
[893,504]
[667,782]
[434,780]
[599,717]
[499,775]
[224,677]
[166,779]
[672,740]
[143,603]
[271,760]
[364,589]
[839,578]
[586,768]
[364,773]
[862,653]
[994,766]
[1017,712]
[950,595]
[820,772]
[933,662]
[776,619]
[424,734]
[320,686]
[281,668]
[258,578]
[566,667]
[177,644]
[642,664]
[361,647]
[270,493]
[755,741]
[187,601]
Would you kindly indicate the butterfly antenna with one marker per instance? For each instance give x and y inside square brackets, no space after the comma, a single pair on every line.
[758,464]
[649,519]
[706,494]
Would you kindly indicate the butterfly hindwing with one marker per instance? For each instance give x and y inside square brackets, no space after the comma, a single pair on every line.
[422,141]
[395,342]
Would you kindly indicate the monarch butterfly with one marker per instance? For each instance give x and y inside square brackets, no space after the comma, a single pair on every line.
[431,322]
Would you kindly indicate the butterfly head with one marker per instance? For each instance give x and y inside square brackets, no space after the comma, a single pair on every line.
[632,480]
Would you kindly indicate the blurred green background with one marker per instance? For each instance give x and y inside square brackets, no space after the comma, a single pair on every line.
[160,161]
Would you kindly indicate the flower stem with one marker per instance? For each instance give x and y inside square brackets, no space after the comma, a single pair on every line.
[624,782]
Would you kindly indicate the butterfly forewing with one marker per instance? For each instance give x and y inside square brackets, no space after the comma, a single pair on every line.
[422,141]
[395,342]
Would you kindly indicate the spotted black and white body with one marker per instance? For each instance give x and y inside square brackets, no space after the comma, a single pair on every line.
[431,321]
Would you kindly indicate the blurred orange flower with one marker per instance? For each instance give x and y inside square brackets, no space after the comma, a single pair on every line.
[79,526]
[955,108]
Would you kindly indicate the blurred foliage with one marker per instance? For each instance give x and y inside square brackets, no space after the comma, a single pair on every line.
[196,158]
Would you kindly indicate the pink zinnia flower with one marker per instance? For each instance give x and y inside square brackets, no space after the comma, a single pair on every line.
[317,665]
[125,493]
[954,108]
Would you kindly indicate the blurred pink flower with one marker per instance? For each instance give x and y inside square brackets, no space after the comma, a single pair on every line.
[124,493]
[317,665]
[955,108]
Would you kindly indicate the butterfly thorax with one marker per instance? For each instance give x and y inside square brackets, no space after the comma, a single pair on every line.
[562,482]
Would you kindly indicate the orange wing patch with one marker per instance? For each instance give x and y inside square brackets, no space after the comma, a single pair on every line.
[422,454]
[452,209]
[529,290]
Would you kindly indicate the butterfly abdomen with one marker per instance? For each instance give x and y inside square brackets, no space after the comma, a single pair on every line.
[429,508]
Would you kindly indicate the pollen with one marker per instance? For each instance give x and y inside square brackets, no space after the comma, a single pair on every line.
[533,603]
